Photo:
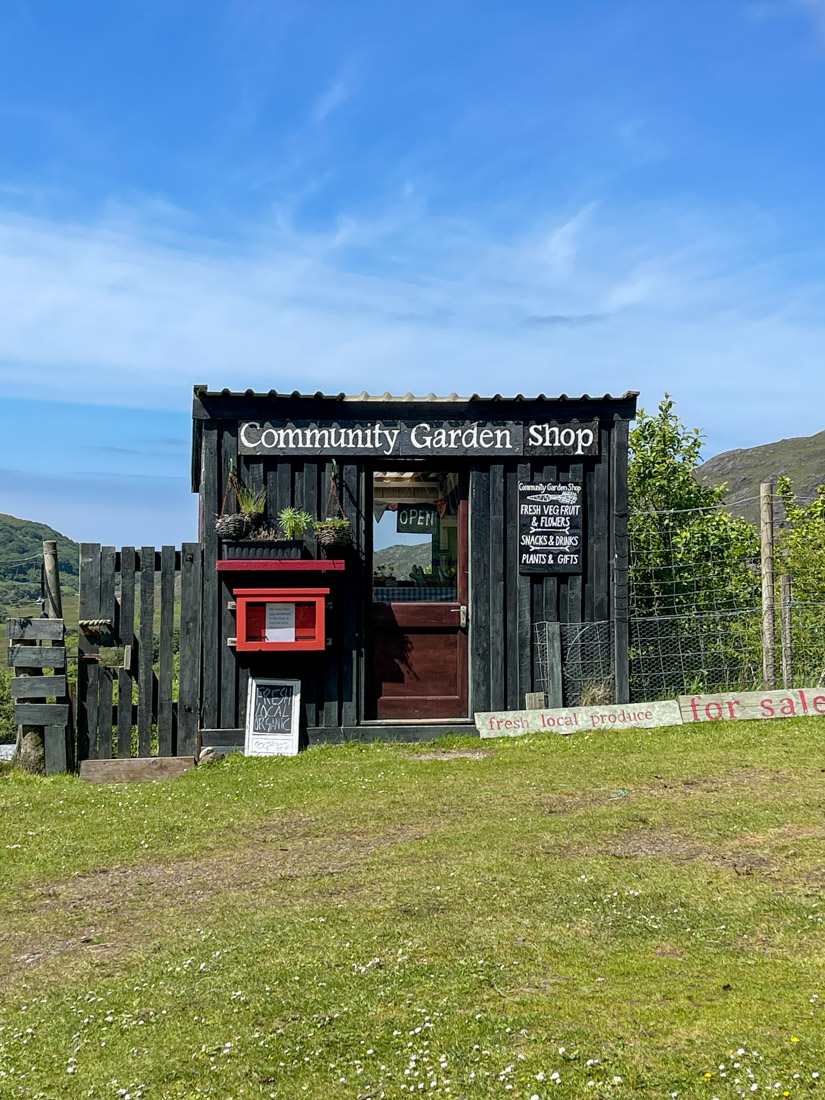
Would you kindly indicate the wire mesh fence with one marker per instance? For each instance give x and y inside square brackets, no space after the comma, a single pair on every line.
[695,654]
[586,661]
[695,618]
[698,561]
[807,643]
[695,600]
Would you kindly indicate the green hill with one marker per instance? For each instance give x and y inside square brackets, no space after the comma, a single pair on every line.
[802,459]
[21,556]
[404,557]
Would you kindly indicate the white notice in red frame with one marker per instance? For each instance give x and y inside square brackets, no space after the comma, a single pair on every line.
[280,622]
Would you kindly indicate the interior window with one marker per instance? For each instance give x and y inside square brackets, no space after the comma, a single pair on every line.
[415,536]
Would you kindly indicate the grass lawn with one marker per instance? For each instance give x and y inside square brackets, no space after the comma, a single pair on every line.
[607,915]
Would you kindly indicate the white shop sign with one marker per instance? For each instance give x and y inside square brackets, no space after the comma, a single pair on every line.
[417,438]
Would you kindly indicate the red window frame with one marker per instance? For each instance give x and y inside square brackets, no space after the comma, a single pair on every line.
[313,632]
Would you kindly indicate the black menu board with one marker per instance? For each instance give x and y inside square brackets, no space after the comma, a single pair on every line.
[273,710]
[550,527]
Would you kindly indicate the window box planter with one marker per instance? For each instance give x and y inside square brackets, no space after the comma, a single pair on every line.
[264,550]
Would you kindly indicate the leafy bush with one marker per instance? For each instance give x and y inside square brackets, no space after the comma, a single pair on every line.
[689,554]
[8,733]
[801,544]
[694,569]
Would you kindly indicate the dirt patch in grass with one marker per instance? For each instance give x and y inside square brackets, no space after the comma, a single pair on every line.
[757,854]
[669,951]
[116,911]
[650,844]
[752,779]
[453,754]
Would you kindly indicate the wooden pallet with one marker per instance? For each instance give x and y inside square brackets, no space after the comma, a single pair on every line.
[37,653]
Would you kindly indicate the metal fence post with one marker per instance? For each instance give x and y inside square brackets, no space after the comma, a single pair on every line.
[768,599]
[786,630]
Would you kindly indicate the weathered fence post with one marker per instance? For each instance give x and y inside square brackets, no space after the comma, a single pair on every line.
[786,630]
[58,741]
[51,578]
[555,696]
[768,599]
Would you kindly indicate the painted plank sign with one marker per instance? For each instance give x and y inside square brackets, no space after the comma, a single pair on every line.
[272,717]
[550,527]
[513,723]
[421,438]
[749,705]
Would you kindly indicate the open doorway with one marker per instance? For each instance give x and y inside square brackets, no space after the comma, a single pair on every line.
[419,595]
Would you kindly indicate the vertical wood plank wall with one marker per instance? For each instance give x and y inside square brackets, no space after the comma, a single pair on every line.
[332,680]
[504,605]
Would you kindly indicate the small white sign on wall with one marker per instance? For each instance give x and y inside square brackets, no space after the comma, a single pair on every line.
[273,717]
[280,622]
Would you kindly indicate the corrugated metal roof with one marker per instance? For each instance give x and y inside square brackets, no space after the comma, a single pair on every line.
[202,391]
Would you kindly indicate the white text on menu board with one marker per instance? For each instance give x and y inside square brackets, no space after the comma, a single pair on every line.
[550,526]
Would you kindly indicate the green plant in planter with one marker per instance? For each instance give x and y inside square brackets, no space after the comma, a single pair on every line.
[268,534]
[294,523]
[251,501]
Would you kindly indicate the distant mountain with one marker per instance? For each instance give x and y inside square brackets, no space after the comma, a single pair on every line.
[802,459]
[21,556]
[404,558]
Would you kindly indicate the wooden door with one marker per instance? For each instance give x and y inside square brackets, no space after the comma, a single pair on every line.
[419,634]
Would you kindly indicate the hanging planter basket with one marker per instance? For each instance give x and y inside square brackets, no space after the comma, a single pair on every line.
[333,533]
[231,527]
[236,524]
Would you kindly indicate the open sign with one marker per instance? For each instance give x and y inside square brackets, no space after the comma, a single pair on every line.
[418,519]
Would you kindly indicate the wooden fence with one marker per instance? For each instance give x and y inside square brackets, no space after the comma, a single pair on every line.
[37,653]
[139,631]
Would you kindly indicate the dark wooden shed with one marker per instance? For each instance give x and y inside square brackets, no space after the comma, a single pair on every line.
[447,478]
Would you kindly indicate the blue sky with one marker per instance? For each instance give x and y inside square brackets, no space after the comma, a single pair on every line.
[433,196]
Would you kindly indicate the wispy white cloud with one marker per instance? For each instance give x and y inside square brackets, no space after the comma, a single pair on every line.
[562,244]
[337,94]
[816,10]
[131,312]
[639,139]
[761,10]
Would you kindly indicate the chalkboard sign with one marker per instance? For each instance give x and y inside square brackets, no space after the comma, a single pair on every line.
[414,519]
[550,527]
[273,709]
